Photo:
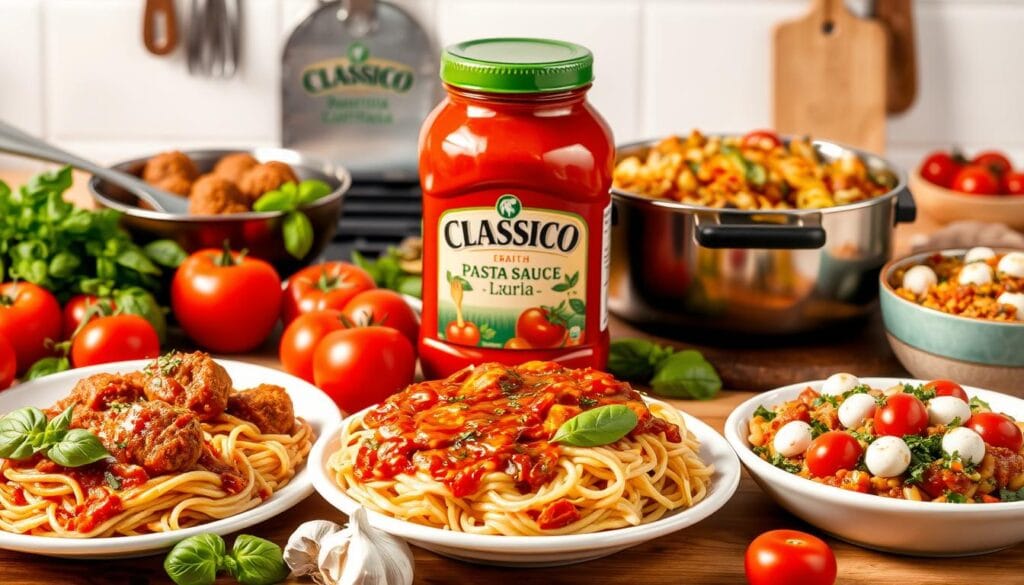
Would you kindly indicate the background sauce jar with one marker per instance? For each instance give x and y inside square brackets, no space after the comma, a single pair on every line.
[515,167]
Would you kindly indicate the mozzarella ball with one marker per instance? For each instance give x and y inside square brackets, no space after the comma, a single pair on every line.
[887,456]
[792,439]
[976,273]
[943,410]
[839,383]
[1015,300]
[979,254]
[919,279]
[1012,265]
[855,409]
[966,443]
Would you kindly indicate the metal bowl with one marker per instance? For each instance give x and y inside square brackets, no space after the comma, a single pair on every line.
[258,232]
[679,268]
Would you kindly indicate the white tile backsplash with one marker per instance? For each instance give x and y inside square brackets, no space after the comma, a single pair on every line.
[75,71]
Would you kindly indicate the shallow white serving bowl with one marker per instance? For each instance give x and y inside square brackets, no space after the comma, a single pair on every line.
[887,524]
[540,551]
[310,403]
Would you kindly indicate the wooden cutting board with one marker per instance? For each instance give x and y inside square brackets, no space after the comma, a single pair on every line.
[830,70]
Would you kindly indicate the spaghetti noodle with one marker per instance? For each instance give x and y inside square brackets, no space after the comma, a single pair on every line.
[472,454]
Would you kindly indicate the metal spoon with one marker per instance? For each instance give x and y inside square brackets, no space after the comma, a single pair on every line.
[15,141]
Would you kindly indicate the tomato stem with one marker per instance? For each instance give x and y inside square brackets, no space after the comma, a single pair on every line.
[227,257]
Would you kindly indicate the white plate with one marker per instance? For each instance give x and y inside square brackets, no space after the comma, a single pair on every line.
[887,524]
[541,551]
[310,404]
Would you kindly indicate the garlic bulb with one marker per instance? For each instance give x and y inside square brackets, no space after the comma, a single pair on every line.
[363,555]
[303,548]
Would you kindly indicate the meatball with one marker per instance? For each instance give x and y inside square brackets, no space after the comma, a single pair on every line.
[233,166]
[265,177]
[99,391]
[177,184]
[215,195]
[169,164]
[267,406]
[189,380]
[152,434]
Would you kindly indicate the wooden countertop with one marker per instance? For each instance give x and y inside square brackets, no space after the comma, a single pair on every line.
[709,553]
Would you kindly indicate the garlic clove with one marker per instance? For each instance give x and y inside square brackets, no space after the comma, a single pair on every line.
[363,555]
[303,549]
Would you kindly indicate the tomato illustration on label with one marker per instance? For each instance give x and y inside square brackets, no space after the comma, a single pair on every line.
[460,330]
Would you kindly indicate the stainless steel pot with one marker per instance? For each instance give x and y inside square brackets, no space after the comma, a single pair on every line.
[677,267]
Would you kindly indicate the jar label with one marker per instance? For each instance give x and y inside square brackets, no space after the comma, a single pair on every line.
[512,276]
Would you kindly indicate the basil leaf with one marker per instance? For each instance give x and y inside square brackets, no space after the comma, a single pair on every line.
[137,301]
[57,180]
[63,265]
[47,366]
[165,253]
[277,200]
[312,189]
[636,359]
[411,285]
[578,306]
[55,430]
[78,447]
[686,375]
[257,561]
[195,560]
[19,430]
[599,426]
[298,234]
[134,259]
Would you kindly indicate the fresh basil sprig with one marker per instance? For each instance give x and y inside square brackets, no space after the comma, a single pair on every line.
[295,227]
[599,426]
[676,374]
[252,561]
[26,432]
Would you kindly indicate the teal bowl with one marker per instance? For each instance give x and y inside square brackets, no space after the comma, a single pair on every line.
[931,344]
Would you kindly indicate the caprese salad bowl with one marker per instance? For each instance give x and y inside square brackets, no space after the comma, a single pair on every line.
[857,505]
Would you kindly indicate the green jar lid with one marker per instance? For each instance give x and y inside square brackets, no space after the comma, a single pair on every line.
[514,65]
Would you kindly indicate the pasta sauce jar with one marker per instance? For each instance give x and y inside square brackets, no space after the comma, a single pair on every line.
[515,167]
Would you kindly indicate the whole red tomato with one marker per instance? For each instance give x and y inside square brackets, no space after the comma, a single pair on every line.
[466,334]
[1013,183]
[362,366]
[976,180]
[994,161]
[947,388]
[300,338]
[76,309]
[8,363]
[902,414]
[384,307]
[940,168]
[330,285]
[765,139]
[226,301]
[789,557]
[29,317]
[113,339]
[535,327]
[996,430]
[831,452]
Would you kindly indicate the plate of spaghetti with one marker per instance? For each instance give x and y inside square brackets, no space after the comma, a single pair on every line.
[129,458]
[529,465]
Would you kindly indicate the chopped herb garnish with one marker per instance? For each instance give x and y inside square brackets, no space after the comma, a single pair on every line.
[118,406]
[587,402]
[168,363]
[861,389]
[764,413]
[977,404]
[466,437]
[818,428]
[372,444]
[511,384]
[862,437]
[500,411]
[955,498]
[121,445]
[761,451]
[112,480]
[923,394]
[1011,496]
[458,398]
[923,452]
[825,399]
[784,464]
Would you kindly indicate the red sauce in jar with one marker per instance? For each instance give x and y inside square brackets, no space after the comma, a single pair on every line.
[515,167]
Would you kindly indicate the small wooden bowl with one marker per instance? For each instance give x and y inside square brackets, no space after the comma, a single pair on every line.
[945,205]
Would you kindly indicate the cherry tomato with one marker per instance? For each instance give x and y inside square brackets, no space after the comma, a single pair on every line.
[996,430]
[384,307]
[1013,183]
[940,168]
[831,452]
[994,161]
[534,326]
[330,285]
[114,339]
[29,317]
[947,388]
[976,180]
[226,301]
[903,414]
[300,338]
[466,334]
[789,557]
[8,363]
[764,139]
[362,366]
[76,309]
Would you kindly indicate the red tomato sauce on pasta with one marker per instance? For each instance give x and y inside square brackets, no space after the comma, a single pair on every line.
[493,418]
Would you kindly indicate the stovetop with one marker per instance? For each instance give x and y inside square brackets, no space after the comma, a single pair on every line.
[376,215]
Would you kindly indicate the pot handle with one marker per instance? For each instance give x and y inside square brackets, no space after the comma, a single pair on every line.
[906,209]
[794,237]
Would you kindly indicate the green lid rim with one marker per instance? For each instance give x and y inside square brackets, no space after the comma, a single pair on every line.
[465,72]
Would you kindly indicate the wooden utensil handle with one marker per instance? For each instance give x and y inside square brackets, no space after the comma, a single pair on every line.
[159,27]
